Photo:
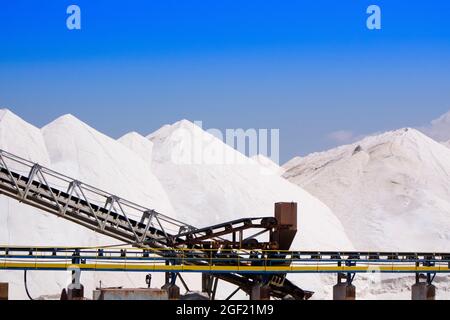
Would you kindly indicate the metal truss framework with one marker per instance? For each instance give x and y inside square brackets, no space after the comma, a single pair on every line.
[111,215]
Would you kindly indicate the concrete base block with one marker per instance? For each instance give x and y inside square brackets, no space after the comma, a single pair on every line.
[173,291]
[260,292]
[73,293]
[344,291]
[423,291]
[130,294]
[4,288]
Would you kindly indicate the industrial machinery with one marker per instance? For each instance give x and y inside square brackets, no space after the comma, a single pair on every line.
[234,251]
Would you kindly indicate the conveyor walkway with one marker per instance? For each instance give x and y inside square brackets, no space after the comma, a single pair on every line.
[236,261]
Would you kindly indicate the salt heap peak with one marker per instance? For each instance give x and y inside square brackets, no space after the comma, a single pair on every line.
[168,129]
[138,144]
[79,150]
[21,138]
[393,194]
[4,111]
[210,190]
[186,143]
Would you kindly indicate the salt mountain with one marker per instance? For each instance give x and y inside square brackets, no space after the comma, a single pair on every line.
[391,191]
[199,194]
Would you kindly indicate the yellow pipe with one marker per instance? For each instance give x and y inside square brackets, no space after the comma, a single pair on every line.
[189,268]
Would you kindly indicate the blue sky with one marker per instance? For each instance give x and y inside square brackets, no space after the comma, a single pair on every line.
[309,68]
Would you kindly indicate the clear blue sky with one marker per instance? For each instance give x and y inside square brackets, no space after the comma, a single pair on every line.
[306,67]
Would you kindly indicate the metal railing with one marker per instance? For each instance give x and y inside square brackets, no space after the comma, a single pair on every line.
[220,261]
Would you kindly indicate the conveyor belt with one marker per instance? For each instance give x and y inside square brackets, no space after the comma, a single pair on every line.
[108,214]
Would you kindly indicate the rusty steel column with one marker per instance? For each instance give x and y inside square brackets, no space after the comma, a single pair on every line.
[172,289]
[423,290]
[286,215]
[174,292]
[344,290]
[260,292]
[206,283]
[75,293]
[4,288]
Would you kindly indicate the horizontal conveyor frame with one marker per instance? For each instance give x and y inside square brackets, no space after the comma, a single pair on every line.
[44,266]
[242,261]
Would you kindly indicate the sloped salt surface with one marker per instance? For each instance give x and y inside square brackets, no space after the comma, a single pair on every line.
[21,138]
[390,191]
[268,164]
[138,144]
[447,144]
[291,163]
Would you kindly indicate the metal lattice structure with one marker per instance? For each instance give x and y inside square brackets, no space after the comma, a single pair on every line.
[111,215]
